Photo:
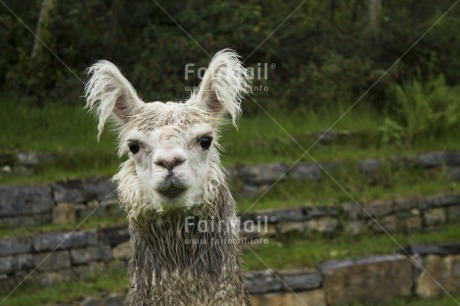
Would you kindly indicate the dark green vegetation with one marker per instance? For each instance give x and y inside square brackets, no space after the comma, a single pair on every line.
[325,52]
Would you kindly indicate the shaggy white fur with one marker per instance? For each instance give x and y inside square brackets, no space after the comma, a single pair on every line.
[173,171]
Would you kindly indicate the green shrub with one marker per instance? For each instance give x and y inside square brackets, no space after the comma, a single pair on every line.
[420,109]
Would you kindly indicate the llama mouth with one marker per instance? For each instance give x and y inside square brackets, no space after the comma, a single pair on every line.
[172,191]
[171,187]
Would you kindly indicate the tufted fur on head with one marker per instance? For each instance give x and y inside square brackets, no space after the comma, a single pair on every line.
[168,130]
[173,172]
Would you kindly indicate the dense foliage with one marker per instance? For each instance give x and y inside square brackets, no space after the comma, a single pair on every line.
[325,52]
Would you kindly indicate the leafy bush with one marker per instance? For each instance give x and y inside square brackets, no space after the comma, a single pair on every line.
[323,52]
[421,109]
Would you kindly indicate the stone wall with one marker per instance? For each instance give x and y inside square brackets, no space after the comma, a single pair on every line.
[63,201]
[72,200]
[377,279]
[410,214]
[256,178]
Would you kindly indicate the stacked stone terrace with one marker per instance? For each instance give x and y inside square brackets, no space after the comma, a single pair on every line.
[50,258]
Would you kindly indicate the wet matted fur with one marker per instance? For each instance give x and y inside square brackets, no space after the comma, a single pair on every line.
[173,182]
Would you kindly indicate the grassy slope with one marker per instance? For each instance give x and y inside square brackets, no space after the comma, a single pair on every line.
[71,130]
[326,192]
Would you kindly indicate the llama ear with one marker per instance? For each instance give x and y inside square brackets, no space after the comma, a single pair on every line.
[223,86]
[116,96]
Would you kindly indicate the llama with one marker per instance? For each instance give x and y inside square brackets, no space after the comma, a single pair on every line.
[172,183]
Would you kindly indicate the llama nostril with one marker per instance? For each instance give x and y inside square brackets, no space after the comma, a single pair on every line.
[178,161]
[169,164]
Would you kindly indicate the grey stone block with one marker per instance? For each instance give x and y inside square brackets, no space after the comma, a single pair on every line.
[280,215]
[355,227]
[434,249]
[64,213]
[86,255]
[27,158]
[262,282]
[290,227]
[52,261]
[305,172]
[453,213]
[440,200]
[263,174]
[435,216]
[50,278]
[430,160]
[49,242]
[370,165]
[313,212]
[406,204]
[300,279]
[326,225]
[452,158]
[379,208]
[14,263]
[453,173]
[386,224]
[114,299]
[90,301]
[25,200]
[413,224]
[375,280]
[114,235]
[122,251]
[445,270]
[15,245]
[328,136]
[352,211]
[84,190]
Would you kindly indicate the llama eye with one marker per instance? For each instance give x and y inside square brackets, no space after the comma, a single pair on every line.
[205,142]
[134,147]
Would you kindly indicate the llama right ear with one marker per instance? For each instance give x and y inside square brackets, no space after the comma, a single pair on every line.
[223,86]
[109,93]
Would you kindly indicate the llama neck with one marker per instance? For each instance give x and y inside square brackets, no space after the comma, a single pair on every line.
[175,250]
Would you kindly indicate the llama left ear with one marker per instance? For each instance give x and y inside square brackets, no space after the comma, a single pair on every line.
[223,86]
[110,94]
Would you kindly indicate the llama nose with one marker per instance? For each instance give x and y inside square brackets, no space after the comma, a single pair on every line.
[169,163]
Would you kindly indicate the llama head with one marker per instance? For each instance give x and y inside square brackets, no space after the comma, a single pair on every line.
[172,147]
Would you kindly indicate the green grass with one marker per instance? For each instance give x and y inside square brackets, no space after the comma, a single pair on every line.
[71,132]
[386,185]
[444,301]
[93,222]
[68,292]
[65,130]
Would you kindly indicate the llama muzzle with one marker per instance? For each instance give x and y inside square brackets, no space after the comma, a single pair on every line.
[171,187]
